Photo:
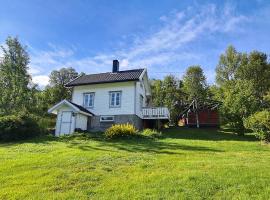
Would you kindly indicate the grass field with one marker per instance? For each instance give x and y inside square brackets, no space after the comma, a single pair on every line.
[184,164]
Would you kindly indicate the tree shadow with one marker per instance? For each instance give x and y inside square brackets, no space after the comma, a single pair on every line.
[141,145]
[210,134]
[44,139]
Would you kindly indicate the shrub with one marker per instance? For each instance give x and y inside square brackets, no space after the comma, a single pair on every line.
[259,123]
[120,130]
[151,133]
[18,127]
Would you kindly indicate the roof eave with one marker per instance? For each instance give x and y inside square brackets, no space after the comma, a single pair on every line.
[103,82]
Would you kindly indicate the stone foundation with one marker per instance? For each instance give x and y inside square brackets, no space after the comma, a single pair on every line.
[94,123]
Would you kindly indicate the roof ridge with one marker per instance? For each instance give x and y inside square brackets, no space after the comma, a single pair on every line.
[130,70]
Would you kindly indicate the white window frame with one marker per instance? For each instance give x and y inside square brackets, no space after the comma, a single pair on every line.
[89,94]
[112,99]
[106,120]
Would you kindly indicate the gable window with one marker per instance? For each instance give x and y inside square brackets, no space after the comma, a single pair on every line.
[88,100]
[115,99]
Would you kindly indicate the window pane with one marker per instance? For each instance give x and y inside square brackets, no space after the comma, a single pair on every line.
[86,100]
[115,98]
[117,102]
[91,100]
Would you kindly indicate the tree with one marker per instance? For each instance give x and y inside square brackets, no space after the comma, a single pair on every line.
[57,91]
[157,92]
[243,82]
[14,77]
[238,102]
[227,66]
[62,76]
[195,83]
[171,96]
[255,68]
[168,92]
[259,123]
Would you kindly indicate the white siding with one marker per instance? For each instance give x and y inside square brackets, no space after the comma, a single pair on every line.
[101,101]
[140,90]
[81,121]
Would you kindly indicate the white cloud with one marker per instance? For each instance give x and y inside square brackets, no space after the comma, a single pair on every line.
[166,45]
[41,80]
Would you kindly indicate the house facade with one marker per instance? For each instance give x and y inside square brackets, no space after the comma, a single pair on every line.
[101,100]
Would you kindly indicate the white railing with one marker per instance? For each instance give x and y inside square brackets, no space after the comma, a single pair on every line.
[156,113]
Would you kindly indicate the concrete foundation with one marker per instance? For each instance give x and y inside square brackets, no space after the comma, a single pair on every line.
[94,123]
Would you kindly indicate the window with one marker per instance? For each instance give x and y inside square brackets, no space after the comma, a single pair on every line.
[115,99]
[106,118]
[88,100]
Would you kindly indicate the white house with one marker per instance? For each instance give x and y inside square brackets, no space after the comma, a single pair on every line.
[100,100]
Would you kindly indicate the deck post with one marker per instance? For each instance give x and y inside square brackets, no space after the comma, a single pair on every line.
[158,124]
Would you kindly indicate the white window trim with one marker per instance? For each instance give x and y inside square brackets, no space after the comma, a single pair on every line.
[110,99]
[104,120]
[89,93]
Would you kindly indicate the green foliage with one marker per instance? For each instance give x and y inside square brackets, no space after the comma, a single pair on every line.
[57,91]
[54,92]
[238,103]
[14,78]
[259,123]
[195,83]
[168,92]
[256,69]
[18,127]
[120,130]
[62,76]
[152,133]
[227,66]
[157,92]
[243,83]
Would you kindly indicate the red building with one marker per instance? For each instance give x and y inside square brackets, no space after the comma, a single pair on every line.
[204,114]
[206,118]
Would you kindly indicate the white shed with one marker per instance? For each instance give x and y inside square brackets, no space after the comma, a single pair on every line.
[70,116]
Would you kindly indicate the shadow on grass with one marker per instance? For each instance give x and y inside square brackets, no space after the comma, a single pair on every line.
[209,134]
[137,144]
[142,144]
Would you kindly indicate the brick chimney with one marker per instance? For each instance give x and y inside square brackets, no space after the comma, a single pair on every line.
[115,67]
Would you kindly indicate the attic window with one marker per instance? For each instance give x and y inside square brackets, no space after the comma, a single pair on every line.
[106,118]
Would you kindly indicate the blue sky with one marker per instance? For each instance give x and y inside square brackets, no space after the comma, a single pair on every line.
[165,36]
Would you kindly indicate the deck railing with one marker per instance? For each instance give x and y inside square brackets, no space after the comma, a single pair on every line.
[156,113]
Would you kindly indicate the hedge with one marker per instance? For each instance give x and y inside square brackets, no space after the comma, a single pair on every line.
[19,127]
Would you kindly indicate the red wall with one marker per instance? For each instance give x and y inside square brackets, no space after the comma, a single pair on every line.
[205,117]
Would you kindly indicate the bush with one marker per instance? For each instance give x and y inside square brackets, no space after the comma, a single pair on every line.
[151,133]
[120,130]
[18,127]
[259,123]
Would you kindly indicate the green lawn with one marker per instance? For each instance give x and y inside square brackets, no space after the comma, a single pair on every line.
[185,164]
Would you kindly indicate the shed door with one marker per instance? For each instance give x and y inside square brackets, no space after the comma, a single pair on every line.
[65,127]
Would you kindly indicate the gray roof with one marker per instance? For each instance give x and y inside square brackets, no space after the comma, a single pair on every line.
[109,77]
[81,108]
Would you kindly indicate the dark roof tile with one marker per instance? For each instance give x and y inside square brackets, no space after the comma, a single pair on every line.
[109,77]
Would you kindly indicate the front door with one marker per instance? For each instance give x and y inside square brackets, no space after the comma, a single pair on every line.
[66,118]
